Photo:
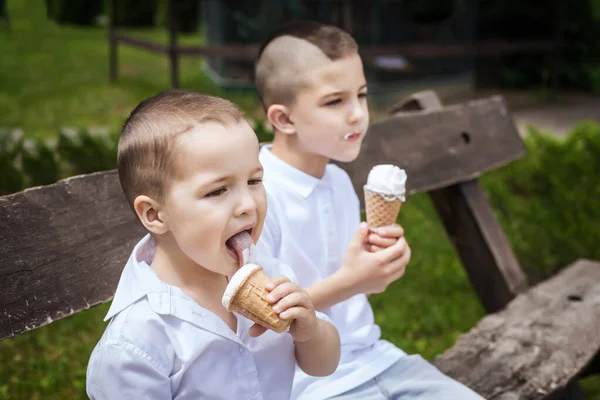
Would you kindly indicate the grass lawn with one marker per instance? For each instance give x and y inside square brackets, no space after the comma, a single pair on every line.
[53,76]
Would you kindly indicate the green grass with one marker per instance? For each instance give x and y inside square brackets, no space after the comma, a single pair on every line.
[53,76]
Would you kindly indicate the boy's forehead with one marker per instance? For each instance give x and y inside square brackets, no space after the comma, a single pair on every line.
[208,136]
[212,143]
[338,75]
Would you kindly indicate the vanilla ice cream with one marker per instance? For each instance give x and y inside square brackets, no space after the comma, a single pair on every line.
[236,280]
[387,180]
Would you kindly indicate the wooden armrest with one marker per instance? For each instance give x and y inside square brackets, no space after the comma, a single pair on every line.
[534,347]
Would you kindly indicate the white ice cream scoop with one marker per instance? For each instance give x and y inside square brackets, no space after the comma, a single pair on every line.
[235,281]
[388,180]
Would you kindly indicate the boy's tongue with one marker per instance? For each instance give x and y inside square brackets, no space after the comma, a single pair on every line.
[243,245]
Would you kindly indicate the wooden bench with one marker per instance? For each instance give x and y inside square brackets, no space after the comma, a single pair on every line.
[63,246]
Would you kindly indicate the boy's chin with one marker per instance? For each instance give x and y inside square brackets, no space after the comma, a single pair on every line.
[346,158]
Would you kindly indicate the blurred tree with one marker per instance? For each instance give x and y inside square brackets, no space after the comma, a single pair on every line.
[3,13]
[187,14]
[579,23]
[74,12]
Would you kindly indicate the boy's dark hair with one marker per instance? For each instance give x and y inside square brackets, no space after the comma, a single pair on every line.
[149,137]
[277,72]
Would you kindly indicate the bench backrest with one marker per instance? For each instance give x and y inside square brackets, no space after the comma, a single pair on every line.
[63,246]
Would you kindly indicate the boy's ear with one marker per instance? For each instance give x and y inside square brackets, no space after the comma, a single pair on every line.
[279,117]
[149,211]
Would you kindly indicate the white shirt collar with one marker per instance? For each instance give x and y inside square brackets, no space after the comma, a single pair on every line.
[139,279]
[300,182]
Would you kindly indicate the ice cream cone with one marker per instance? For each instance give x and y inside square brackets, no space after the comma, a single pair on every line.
[381,210]
[247,296]
[384,193]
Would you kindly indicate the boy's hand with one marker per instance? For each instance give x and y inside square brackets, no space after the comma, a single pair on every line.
[384,237]
[371,272]
[290,301]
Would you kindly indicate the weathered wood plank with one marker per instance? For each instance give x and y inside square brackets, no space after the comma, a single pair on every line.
[538,344]
[438,148]
[484,250]
[62,249]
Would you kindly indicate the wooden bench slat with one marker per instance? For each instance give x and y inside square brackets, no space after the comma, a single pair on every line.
[62,249]
[438,148]
[538,344]
[488,259]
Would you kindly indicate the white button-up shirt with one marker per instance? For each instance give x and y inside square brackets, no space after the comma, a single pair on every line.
[160,344]
[308,227]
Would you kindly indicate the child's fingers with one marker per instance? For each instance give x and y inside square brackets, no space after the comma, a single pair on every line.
[374,249]
[294,313]
[397,268]
[382,242]
[295,299]
[276,281]
[390,231]
[394,252]
[281,291]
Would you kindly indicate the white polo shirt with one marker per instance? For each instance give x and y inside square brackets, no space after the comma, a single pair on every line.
[308,227]
[160,344]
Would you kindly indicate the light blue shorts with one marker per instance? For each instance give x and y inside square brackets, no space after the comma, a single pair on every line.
[412,378]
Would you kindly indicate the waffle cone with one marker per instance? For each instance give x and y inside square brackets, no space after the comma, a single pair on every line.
[381,212]
[250,301]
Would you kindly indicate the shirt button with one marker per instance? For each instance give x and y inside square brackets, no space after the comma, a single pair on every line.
[242,350]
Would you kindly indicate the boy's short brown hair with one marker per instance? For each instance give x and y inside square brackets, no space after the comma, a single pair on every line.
[149,137]
[279,69]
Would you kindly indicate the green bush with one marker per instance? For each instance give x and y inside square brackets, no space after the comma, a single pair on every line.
[129,13]
[36,162]
[548,202]
[11,179]
[580,29]
[39,162]
[86,153]
[74,12]
[188,15]
[135,13]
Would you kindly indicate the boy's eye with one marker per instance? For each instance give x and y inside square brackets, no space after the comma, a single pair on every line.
[363,95]
[255,181]
[333,102]
[216,193]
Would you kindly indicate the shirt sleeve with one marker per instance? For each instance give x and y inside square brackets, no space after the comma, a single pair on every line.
[121,370]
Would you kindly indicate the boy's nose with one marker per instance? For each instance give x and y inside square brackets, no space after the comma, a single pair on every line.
[357,113]
[246,204]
